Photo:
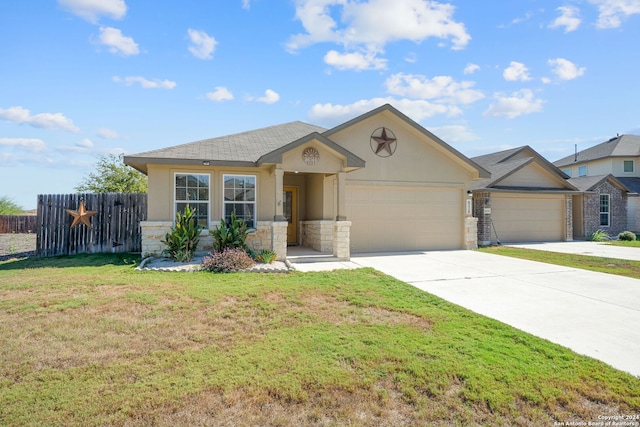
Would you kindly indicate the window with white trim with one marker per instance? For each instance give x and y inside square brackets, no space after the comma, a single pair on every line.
[582,171]
[193,189]
[628,166]
[240,198]
[605,209]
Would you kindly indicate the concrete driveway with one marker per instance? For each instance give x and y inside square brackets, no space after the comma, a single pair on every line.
[594,314]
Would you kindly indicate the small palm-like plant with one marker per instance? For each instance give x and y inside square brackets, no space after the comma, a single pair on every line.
[183,239]
[599,236]
[230,235]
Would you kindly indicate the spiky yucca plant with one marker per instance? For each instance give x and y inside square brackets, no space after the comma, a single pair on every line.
[183,239]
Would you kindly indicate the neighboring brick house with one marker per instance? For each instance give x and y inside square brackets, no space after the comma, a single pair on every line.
[526,198]
[609,176]
[603,205]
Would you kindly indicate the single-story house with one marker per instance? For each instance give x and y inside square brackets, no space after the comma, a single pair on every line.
[526,198]
[379,182]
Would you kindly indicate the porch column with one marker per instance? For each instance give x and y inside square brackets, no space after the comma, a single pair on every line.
[279,214]
[341,178]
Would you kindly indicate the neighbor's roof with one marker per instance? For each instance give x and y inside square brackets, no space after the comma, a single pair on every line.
[620,146]
[243,148]
[590,183]
[504,163]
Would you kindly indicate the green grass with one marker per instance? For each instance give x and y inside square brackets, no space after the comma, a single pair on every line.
[619,267]
[626,243]
[89,341]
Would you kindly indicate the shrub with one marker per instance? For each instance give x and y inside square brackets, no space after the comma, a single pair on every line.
[230,235]
[183,239]
[227,261]
[627,236]
[599,236]
[266,256]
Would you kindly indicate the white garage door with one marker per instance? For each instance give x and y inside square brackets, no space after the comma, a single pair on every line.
[400,219]
[536,218]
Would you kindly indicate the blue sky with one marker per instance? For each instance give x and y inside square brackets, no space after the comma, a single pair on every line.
[83,78]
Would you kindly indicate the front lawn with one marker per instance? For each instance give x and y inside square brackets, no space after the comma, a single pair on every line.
[89,341]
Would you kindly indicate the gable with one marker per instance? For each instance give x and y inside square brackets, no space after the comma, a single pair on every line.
[418,155]
[534,176]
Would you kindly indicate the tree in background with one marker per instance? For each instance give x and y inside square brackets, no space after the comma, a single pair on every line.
[9,207]
[113,176]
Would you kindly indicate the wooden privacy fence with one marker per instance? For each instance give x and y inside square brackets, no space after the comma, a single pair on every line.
[114,228]
[18,224]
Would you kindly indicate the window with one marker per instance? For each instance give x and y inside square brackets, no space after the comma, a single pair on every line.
[628,165]
[193,190]
[240,197]
[582,171]
[567,171]
[604,210]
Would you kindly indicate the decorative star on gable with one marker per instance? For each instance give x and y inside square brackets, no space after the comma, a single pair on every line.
[383,142]
[81,215]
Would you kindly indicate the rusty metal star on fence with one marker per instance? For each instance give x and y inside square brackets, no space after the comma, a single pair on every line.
[81,215]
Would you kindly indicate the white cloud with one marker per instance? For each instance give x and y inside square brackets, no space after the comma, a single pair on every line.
[520,102]
[91,10]
[354,61]
[270,97]
[612,12]
[83,146]
[117,43]
[369,26]
[21,115]
[416,109]
[516,71]
[202,44]
[454,134]
[145,83]
[471,68]
[220,94]
[442,89]
[565,69]
[246,4]
[108,134]
[29,144]
[568,18]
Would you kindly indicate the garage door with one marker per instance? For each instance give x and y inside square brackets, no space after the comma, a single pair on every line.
[400,219]
[528,219]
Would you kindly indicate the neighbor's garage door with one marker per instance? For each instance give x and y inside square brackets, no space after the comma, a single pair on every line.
[535,218]
[399,219]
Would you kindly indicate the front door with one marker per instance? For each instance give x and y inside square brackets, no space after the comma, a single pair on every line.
[290,212]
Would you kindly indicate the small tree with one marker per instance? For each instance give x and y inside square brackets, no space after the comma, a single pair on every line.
[113,176]
[9,207]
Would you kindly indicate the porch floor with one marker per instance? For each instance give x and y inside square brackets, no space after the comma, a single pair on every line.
[303,254]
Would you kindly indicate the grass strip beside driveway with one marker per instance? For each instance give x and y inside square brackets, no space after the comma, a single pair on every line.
[620,267]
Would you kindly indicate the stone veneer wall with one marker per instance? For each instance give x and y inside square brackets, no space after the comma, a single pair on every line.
[153,232]
[261,238]
[470,233]
[342,240]
[318,235]
[279,239]
[617,213]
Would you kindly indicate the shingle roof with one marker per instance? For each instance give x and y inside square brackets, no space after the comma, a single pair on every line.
[632,184]
[621,146]
[502,164]
[589,183]
[244,147]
